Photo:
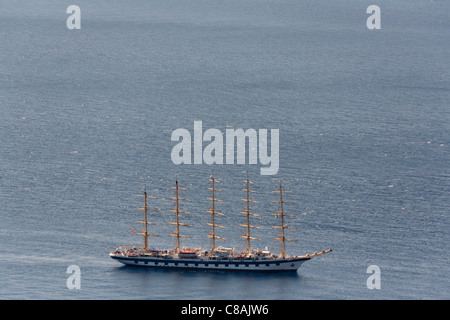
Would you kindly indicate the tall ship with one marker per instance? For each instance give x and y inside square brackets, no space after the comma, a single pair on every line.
[216,257]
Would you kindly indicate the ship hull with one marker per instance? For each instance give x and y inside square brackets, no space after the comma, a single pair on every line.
[270,265]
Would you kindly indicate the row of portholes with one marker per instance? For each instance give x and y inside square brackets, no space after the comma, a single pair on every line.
[204,263]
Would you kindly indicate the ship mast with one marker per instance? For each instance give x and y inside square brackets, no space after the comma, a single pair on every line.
[248,213]
[281,213]
[146,222]
[213,212]
[177,211]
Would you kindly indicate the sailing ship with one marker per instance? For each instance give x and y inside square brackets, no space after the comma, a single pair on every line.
[216,258]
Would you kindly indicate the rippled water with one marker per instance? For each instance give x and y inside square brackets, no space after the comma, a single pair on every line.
[87,116]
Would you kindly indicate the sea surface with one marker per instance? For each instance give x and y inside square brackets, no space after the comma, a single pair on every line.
[86,118]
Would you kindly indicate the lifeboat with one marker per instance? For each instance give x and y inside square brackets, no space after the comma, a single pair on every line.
[188,253]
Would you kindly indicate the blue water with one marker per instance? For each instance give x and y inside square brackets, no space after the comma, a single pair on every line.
[87,115]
